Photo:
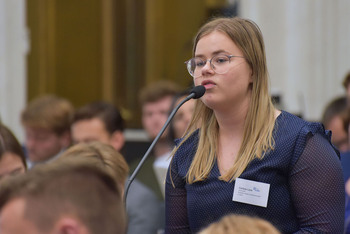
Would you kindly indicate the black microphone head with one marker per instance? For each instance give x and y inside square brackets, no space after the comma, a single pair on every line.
[198,91]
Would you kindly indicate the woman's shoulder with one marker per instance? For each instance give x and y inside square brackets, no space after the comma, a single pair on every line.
[188,141]
[295,124]
[295,131]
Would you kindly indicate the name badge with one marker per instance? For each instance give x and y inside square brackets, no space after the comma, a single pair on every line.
[251,192]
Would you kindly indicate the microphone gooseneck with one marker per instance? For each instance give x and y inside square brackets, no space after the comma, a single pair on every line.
[195,93]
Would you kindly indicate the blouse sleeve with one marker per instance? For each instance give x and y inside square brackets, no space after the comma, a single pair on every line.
[317,188]
[176,219]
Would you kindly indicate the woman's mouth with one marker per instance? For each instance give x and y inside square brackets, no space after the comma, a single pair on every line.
[208,84]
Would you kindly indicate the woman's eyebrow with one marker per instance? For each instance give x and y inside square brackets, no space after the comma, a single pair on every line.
[213,53]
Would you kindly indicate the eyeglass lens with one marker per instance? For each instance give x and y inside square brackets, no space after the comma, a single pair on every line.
[219,63]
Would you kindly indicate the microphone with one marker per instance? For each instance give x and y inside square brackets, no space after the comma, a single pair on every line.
[195,93]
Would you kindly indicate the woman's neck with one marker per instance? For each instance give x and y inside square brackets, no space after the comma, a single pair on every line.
[232,120]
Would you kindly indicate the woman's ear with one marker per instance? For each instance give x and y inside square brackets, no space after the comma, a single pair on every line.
[251,76]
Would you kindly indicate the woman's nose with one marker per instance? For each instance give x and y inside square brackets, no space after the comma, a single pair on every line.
[207,69]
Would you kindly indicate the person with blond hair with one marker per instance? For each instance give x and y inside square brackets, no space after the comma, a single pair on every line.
[109,159]
[139,201]
[247,157]
[68,196]
[242,224]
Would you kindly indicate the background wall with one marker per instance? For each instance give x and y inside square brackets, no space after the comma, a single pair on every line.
[107,50]
[308,48]
[14,42]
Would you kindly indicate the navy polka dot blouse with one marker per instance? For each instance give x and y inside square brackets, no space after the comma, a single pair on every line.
[304,173]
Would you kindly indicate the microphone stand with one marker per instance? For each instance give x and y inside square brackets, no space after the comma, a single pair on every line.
[132,177]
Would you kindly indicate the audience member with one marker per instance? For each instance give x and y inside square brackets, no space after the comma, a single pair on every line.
[12,159]
[247,157]
[46,122]
[155,100]
[345,156]
[345,161]
[105,155]
[70,196]
[346,84]
[234,224]
[332,119]
[177,128]
[183,116]
[347,208]
[101,121]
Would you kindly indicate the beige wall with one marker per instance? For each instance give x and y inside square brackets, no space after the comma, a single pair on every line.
[14,42]
[308,48]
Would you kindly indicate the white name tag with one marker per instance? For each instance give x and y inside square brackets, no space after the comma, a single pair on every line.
[251,192]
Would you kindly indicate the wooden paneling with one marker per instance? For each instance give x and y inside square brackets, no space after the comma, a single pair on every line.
[66,49]
[171,26]
[108,50]
[39,55]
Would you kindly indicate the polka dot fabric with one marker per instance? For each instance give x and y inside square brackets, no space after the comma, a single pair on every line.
[304,172]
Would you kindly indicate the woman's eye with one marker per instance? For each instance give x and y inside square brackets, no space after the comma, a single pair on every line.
[221,60]
[200,64]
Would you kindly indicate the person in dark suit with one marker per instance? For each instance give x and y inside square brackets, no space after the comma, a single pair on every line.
[101,121]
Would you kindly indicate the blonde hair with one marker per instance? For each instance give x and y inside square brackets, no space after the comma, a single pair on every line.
[259,123]
[112,161]
[240,224]
[72,187]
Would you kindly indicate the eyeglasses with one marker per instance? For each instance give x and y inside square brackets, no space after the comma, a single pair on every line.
[219,63]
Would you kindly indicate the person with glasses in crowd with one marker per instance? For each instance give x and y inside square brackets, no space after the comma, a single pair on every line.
[247,157]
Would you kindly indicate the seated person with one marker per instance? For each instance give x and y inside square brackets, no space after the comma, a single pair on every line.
[70,196]
[345,162]
[182,117]
[346,85]
[232,224]
[12,159]
[114,163]
[101,121]
[46,121]
[332,119]
[155,100]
